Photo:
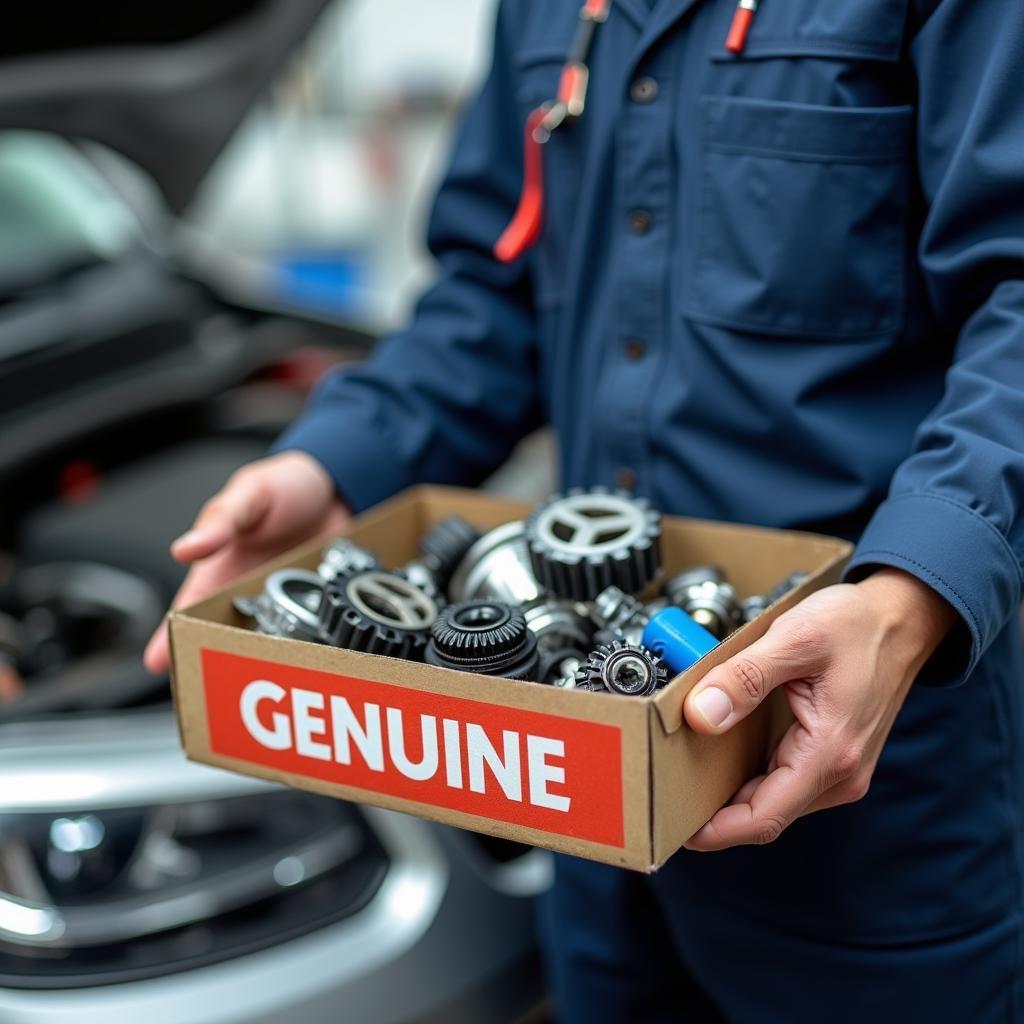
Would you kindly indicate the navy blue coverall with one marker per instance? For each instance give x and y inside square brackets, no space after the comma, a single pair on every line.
[782,288]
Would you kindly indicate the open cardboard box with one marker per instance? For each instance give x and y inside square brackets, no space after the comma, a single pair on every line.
[621,780]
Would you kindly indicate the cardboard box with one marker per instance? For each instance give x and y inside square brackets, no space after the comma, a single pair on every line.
[616,779]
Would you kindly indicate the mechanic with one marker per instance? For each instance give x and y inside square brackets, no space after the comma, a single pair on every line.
[778,282]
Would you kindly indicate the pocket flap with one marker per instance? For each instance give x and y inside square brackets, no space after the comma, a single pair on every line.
[801,131]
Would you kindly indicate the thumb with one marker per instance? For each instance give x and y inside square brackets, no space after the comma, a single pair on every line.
[730,692]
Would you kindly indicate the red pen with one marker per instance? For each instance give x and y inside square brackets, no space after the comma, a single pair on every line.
[740,28]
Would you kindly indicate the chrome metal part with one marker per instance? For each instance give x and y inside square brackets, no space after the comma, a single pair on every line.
[288,606]
[497,567]
[623,668]
[707,598]
[343,557]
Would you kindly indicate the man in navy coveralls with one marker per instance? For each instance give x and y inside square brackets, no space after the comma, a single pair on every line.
[783,287]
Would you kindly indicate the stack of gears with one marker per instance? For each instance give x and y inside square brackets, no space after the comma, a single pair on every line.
[549,599]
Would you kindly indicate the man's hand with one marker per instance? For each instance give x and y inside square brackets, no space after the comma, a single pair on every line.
[847,657]
[264,509]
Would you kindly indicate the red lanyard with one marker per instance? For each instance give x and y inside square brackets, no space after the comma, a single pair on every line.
[524,228]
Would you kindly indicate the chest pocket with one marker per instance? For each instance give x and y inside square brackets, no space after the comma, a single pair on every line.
[538,73]
[801,223]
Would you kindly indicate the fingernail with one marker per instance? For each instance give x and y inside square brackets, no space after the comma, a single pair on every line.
[192,537]
[714,706]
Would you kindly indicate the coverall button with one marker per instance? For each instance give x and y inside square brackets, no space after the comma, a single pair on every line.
[640,222]
[626,478]
[635,349]
[643,89]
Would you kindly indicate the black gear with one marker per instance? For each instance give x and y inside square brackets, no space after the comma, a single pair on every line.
[486,637]
[581,542]
[444,546]
[624,668]
[378,612]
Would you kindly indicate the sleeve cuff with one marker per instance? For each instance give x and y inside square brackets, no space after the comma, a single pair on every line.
[961,556]
[361,461]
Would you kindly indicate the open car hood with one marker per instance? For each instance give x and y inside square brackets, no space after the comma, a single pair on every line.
[166,86]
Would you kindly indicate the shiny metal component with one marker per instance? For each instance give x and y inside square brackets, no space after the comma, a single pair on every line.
[583,541]
[783,587]
[704,595]
[751,607]
[343,557]
[561,623]
[620,614]
[497,566]
[288,606]
[623,668]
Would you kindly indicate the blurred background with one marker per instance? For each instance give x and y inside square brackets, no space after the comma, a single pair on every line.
[201,210]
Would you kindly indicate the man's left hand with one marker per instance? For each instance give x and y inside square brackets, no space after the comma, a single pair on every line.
[846,657]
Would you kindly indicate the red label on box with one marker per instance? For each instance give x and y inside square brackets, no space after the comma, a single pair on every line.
[546,772]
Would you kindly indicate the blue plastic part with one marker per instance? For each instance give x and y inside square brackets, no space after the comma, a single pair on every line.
[677,639]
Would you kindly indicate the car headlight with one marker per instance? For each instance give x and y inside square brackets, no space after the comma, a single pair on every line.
[94,897]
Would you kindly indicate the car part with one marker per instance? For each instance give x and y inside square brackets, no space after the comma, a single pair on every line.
[751,607]
[487,637]
[583,541]
[445,545]
[559,666]
[288,606]
[707,598]
[378,612]
[619,615]
[71,634]
[677,639]
[783,587]
[624,668]
[497,567]
[344,558]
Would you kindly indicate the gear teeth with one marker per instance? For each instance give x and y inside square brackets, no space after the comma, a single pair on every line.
[596,676]
[570,557]
[445,545]
[345,625]
[487,637]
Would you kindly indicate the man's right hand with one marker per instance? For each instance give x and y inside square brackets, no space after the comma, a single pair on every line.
[265,508]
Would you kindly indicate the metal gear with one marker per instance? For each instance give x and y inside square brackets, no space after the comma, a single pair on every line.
[497,567]
[707,598]
[619,616]
[783,587]
[751,607]
[445,545]
[624,668]
[343,557]
[486,637]
[288,605]
[583,541]
[378,612]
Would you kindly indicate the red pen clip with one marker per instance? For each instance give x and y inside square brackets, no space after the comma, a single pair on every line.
[740,27]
